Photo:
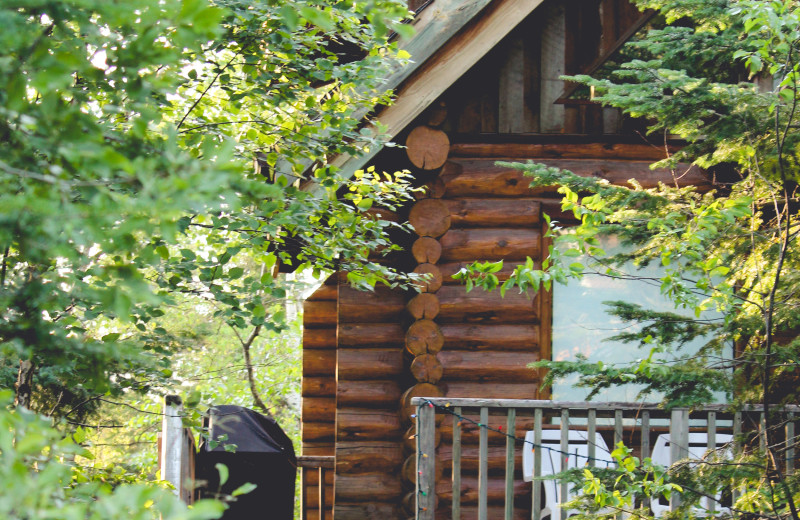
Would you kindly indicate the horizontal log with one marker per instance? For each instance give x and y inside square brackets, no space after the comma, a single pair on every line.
[470,432]
[355,424]
[470,459]
[318,431]
[318,387]
[484,212]
[451,268]
[465,336]
[495,490]
[481,177]
[426,368]
[371,334]
[456,305]
[325,292]
[423,306]
[494,391]
[423,337]
[319,313]
[427,148]
[628,151]
[319,362]
[369,364]
[429,218]
[320,338]
[368,456]
[383,305]
[509,367]
[317,448]
[366,510]
[432,280]
[368,487]
[482,244]
[319,409]
[368,394]
[426,250]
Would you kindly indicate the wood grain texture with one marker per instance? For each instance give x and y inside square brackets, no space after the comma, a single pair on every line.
[480,337]
[369,364]
[424,337]
[430,217]
[495,390]
[319,313]
[427,147]
[319,338]
[423,305]
[483,244]
[367,394]
[488,212]
[433,280]
[383,305]
[319,409]
[318,387]
[371,334]
[508,367]
[426,368]
[456,305]
[319,362]
[563,150]
[426,250]
[358,424]
[368,456]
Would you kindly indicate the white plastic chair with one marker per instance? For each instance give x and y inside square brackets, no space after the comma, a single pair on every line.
[698,447]
[578,449]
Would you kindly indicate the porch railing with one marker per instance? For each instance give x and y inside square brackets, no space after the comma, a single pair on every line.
[505,421]
[320,465]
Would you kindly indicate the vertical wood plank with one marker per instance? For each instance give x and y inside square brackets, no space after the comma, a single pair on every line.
[762,432]
[617,427]
[536,509]
[456,478]
[511,426]
[790,441]
[711,429]
[532,71]
[483,465]
[321,491]
[426,461]
[303,494]
[511,98]
[645,446]
[591,431]
[172,444]
[678,445]
[551,116]
[737,447]
[564,456]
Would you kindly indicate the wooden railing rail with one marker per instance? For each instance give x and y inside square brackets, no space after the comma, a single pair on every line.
[321,464]
[619,421]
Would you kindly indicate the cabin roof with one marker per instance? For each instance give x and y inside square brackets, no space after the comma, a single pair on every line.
[451,36]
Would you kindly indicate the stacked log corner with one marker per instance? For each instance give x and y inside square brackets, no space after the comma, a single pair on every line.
[369,444]
[318,391]
[427,149]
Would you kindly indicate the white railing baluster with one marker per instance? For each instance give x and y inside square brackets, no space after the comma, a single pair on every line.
[511,427]
[483,466]
[712,445]
[645,447]
[679,445]
[456,478]
[564,456]
[737,447]
[790,443]
[536,511]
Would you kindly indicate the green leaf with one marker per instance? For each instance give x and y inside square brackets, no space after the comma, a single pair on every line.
[222,469]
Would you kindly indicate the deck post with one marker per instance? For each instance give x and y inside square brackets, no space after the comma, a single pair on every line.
[564,456]
[536,496]
[173,463]
[456,477]
[483,465]
[511,428]
[790,441]
[426,461]
[678,445]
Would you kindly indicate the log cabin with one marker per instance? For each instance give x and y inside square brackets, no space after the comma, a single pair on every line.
[484,85]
